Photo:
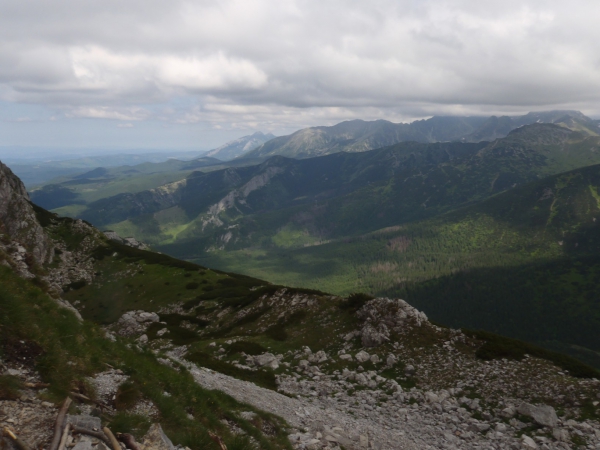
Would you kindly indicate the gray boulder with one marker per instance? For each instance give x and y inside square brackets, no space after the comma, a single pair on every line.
[156,439]
[542,414]
[362,356]
[266,359]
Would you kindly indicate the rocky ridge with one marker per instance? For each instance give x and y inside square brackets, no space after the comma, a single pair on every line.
[376,387]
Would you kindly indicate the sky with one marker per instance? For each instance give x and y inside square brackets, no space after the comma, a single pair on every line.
[173,75]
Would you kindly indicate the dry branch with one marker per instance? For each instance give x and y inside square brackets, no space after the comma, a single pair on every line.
[128,440]
[60,423]
[65,435]
[96,434]
[218,440]
[113,440]
[18,442]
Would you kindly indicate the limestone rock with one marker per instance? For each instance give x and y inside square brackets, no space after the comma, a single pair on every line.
[266,359]
[528,443]
[156,439]
[129,241]
[542,414]
[19,221]
[382,316]
[362,356]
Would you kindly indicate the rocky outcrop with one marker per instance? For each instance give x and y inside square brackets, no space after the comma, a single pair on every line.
[129,241]
[18,221]
[383,316]
[542,414]
[135,322]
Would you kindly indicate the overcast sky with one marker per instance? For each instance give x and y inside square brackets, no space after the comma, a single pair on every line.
[194,74]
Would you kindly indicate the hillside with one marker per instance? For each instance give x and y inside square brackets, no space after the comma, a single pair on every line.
[68,195]
[240,146]
[292,203]
[360,136]
[43,258]
[471,266]
[342,372]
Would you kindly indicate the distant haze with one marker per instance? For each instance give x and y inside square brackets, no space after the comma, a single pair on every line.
[192,75]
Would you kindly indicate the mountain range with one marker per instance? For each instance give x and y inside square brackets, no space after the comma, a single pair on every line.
[359,135]
[392,221]
[124,344]
[239,147]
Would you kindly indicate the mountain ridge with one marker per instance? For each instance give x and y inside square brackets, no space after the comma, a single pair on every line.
[358,135]
[238,147]
[311,369]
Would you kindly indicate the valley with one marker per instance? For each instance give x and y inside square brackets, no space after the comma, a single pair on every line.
[436,224]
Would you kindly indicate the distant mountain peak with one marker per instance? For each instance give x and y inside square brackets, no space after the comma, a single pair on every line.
[240,146]
[359,135]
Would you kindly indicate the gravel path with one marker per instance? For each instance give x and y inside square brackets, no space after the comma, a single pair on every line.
[315,415]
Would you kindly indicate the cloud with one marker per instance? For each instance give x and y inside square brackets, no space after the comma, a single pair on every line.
[286,64]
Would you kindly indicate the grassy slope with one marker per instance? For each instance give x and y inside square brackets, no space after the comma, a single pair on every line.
[474,260]
[32,319]
[69,195]
[345,195]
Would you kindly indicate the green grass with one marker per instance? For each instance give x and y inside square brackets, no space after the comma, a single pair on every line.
[10,387]
[262,378]
[31,319]
[498,347]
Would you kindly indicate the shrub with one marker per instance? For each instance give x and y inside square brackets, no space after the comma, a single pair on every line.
[192,285]
[10,387]
[277,332]
[127,396]
[356,301]
[249,348]
[75,285]
[497,347]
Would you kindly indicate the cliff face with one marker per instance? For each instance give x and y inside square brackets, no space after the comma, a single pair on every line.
[18,222]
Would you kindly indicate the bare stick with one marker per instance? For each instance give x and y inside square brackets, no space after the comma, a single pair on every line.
[59,424]
[65,435]
[218,440]
[18,442]
[36,385]
[128,440]
[96,434]
[113,440]
[84,398]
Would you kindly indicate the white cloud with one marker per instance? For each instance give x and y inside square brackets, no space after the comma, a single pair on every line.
[291,63]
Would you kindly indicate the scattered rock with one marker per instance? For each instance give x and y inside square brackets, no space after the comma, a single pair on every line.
[542,414]
[362,356]
[156,439]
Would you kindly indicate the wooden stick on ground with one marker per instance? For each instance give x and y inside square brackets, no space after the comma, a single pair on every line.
[84,398]
[113,440]
[18,442]
[65,436]
[97,434]
[128,440]
[60,423]
[218,440]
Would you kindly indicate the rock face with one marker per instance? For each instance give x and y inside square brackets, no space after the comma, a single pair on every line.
[18,219]
[129,241]
[383,316]
[135,322]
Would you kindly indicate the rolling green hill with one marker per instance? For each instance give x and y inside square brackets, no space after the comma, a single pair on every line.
[290,203]
[523,263]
